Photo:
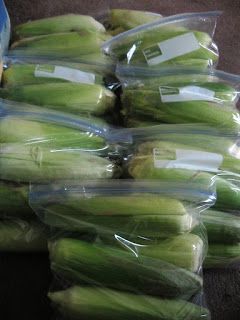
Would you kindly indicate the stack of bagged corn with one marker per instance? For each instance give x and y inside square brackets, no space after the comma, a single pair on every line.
[168,77]
[126,248]
[41,146]
[56,64]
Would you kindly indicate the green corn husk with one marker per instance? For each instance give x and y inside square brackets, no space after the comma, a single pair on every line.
[93,303]
[58,24]
[24,163]
[185,251]
[142,215]
[37,133]
[24,74]
[222,227]
[76,98]
[102,265]
[22,236]
[146,104]
[120,20]
[146,39]
[60,45]
[222,255]
[14,201]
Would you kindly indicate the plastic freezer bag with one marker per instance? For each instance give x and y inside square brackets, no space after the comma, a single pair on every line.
[38,145]
[135,209]
[186,153]
[167,266]
[80,98]
[180,95]
[184,39]
[34,71]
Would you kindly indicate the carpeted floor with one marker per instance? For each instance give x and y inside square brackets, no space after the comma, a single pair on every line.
[25,278]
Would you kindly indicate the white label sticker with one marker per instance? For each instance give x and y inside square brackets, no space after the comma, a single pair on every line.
[171,48]
[188,93]
[187,159]
[68,74]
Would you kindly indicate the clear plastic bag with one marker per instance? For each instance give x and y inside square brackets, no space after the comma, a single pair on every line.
[80,98]
[38,145]
[184,39]
[19,72]
[187,153]
[180,95]
[135,256]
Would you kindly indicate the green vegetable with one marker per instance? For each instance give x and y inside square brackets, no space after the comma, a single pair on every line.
[39,164]
[20,236]
[24,74]
[58,24]
[145,215]
[14,201]
[222,255]
[37,133]
[147,104]
[142,40]
[185,251]
[70,45]
[102,265]
[222,227]
[99,303]
[76,98]
[121,20]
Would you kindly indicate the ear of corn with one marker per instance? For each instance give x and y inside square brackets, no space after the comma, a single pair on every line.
[20,236]
[76,98]
[14,201]
[185,251]
[89,263]
[123,19]
[24,74]
[24,163]
[99,303]
[222,227]
[60,45]
[58,24]
[38,133]
[222,255]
